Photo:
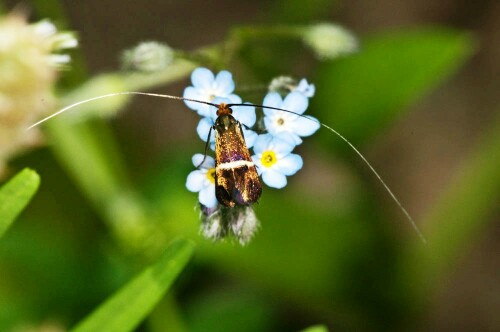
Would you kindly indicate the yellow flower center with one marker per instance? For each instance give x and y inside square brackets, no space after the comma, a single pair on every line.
[211,175]
[268,158]
[280,121]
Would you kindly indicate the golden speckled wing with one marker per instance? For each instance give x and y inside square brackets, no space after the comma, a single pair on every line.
[236,178]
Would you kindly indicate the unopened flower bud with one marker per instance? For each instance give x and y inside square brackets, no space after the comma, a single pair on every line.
[148,57]
[330,41]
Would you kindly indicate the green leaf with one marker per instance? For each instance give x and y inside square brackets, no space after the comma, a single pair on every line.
[124,310]
[361,94]
[15,195]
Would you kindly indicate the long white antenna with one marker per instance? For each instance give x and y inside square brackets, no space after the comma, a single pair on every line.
[113,95]
[394,198]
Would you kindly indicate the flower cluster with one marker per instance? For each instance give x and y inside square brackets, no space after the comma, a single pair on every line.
[272,145]
[30,55]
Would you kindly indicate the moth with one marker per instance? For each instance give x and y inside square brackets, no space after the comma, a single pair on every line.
[236,178]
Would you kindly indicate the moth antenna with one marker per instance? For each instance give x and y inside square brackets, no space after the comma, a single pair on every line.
[386,187]
[113,95]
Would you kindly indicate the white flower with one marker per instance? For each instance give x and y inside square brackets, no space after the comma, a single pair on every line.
[28,72]
[202,180]
[206,87]
[294,125]
[274,160]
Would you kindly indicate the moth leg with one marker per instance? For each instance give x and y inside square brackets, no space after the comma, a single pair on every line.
[206,147]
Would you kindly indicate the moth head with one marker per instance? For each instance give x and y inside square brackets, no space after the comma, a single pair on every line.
[224,109]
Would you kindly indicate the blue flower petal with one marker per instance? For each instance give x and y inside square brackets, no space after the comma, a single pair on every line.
[272,99]
[202,78]
[224,81]
[261,143]
[207,196]
[274,179]
[192,93]
[295,102]
[270,125]
[250,137]
[305,127]
[203,129]
[292,139]
[297,139]
[290,164]
[208,111]
[195,180]
[245,114]
[280,146]
[234,98]
[208,163]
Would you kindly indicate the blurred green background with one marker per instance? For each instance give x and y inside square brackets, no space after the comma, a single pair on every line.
[420,100]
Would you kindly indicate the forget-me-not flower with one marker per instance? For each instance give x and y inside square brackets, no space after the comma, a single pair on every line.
[286,123]
[206,87]
[202,180]
[274,160]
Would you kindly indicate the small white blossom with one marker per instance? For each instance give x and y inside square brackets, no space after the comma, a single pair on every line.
[290,123]
[274,160]
[206,87]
